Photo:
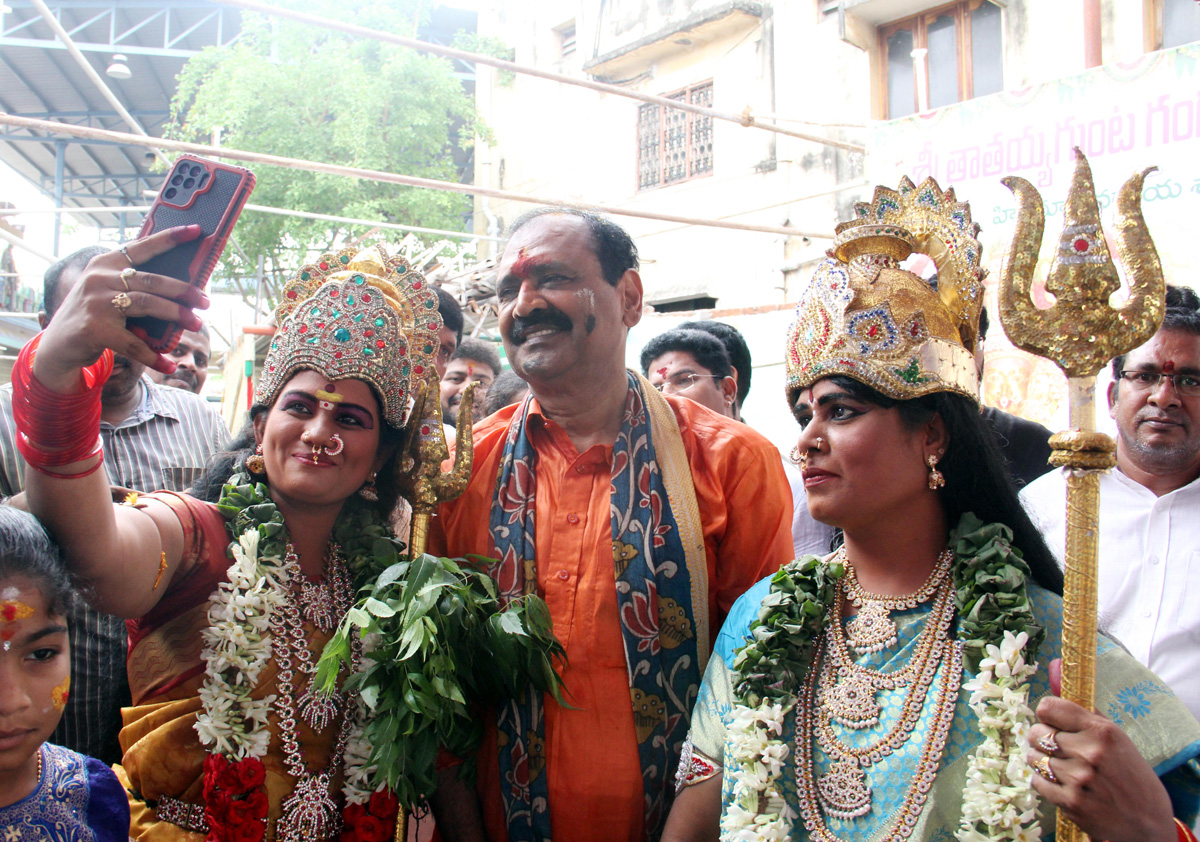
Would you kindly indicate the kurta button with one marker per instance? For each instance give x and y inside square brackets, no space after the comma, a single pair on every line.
[564,575]
[572,518]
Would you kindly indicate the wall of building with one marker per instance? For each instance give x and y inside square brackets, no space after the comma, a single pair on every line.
[819,61]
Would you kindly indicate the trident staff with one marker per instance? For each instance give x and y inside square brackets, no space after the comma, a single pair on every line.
[1080,333]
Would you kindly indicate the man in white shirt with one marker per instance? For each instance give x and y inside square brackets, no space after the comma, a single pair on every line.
[1150,505]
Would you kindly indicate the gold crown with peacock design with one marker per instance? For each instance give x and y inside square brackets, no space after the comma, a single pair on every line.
[864,317]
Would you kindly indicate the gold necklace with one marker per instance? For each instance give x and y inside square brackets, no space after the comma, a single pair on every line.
[874,630]
[843,791]
[849,694]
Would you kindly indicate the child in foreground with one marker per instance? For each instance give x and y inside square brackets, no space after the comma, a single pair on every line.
[47,793]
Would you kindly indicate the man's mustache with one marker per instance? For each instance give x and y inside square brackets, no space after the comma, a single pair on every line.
[522,326]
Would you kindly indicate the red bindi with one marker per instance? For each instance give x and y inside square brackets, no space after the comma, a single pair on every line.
[662,372]
[1168,366]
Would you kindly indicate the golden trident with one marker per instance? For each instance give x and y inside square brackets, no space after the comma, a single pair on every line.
[1080,334]
[426,484]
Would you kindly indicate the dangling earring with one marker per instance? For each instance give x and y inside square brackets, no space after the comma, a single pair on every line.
[368,491]
[255,463]
[936,478]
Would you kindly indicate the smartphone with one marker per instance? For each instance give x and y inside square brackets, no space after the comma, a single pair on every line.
[200,192]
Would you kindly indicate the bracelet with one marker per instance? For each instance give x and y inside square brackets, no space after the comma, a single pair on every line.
[1184,832]
[87,472]
[54,429]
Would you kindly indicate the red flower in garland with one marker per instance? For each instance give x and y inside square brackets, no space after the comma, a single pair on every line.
[235,805]
[374,821]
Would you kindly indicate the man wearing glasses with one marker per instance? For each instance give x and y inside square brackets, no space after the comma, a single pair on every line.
[1150,505]
[693,365]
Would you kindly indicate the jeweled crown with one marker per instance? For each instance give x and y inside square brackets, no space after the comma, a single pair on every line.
[864,317]
[356,314]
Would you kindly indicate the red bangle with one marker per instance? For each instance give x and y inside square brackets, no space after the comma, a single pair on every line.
[54,429]
[1184,832]
[86,472]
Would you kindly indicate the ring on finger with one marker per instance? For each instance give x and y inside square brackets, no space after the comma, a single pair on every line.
[127,273]
[127,257]
[122,301]
[1049,743]
[1042,767]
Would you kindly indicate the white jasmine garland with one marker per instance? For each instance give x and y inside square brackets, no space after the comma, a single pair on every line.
[999,802]
[755,759]
[237,644]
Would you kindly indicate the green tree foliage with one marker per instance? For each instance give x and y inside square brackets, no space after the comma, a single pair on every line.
[291,89]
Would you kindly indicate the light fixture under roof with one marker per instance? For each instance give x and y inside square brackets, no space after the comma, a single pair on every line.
[119,69]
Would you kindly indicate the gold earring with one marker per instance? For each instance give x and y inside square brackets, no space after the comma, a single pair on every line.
[368,491]
[936,478]
[255,463]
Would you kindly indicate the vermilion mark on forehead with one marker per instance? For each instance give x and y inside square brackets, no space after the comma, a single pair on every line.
[525,263]
[1168,367]
[662,372]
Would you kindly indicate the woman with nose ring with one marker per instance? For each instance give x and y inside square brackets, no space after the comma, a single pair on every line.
[232,735]
[901,687]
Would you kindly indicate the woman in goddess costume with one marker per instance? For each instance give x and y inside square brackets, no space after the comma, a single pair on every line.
[229,735]
[886,691]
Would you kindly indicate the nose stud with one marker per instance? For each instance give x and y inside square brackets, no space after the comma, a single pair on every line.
[335,446]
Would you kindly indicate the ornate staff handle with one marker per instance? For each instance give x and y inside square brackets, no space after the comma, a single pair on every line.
[428,485]
[1080,334]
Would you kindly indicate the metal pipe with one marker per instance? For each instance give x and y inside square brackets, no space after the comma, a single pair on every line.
[124,209]
[390,178]
[745,119]
[21,244]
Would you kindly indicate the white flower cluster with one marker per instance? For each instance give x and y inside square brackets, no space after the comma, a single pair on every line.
[999,802]
[758,811]
[237,645]
[357,786]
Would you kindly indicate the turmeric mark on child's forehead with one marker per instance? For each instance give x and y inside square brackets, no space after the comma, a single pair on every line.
[12,610]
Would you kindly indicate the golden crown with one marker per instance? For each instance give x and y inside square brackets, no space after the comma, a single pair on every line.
[356,314]
[864,317]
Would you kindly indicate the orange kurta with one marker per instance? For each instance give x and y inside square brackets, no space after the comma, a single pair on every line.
[595,777]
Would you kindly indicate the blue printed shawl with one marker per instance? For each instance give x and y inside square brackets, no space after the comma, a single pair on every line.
[653,583]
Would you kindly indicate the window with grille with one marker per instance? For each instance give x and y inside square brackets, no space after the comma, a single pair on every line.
[962,58]
[675,145]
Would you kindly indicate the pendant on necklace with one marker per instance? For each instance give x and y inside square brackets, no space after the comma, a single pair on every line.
[851,702]
[309,814]
[872,630]
[844,791]
[317,708]
[316,602]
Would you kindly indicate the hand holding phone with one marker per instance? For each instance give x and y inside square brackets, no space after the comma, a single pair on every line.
[200,192]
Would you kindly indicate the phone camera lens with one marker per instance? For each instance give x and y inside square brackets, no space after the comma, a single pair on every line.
[177,180]
[170,193]
[195,171]
[189,184]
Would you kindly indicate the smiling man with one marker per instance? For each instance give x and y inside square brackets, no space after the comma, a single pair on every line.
[639,517]
[473,361]
[191,358]
[1150,505]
